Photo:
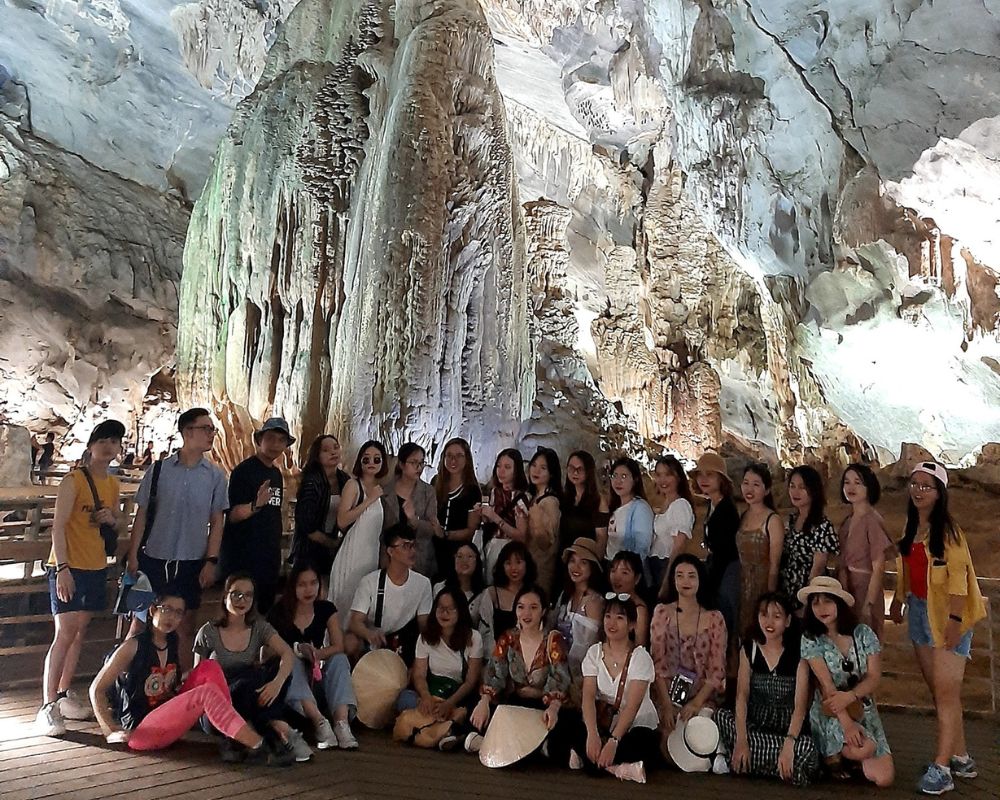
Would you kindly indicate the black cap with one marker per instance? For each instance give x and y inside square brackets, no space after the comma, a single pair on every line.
[109,429]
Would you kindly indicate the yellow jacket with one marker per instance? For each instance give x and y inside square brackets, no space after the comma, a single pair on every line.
[951,575]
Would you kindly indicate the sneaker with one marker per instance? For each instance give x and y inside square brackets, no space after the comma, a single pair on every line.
[71,707]
[721,765]
[937,780]
[575,761]
[233,752]
[345,739]
[629,772]
[325,738]
[49,722]
[297,742]
[963,766]
[448,743]
[473,742]
[279,754]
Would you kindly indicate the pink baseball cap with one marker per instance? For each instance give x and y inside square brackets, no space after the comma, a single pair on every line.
[932,468]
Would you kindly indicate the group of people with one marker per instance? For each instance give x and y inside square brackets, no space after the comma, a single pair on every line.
[595,608]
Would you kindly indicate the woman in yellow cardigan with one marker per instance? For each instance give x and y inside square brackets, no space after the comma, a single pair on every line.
[936,581]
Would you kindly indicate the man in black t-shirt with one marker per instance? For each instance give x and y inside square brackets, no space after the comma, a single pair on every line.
[251,541]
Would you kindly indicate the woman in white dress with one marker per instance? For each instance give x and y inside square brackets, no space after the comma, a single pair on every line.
[360,517]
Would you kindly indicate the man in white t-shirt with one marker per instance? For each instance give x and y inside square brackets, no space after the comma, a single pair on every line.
[391,605]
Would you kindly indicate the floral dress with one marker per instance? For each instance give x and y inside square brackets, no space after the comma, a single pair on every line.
[702,654]
[506,671]
[827,731]
[799,550]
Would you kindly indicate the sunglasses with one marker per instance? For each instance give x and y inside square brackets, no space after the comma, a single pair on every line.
[239,597]
[371,460]
[617,596]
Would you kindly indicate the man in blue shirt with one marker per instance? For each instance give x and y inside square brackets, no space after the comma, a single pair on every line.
[178,524]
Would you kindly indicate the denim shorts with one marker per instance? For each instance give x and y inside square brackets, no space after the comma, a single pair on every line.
[91,593]
[920,627]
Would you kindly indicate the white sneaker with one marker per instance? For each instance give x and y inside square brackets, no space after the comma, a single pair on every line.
[473,742]
[299,747]
[721,765]
[629,772]
[49,722]
[71,707]
[575,762]
[325,738]
[345,739]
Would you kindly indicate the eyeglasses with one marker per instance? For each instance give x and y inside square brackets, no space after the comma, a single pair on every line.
[575,468]
[239,597]
[621,476]
[170,611]
[920,488]
[623,596]
[417,464]
[211,430]
[406,545]
[371,460]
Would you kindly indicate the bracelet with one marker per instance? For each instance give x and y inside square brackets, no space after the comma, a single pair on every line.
[793,736]
[61,568]
[954,618]
[253,507]
[613,738]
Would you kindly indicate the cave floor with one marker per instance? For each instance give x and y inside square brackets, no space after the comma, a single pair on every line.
[81,766]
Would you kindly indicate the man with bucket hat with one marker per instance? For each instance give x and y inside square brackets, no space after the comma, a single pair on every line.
[251,541]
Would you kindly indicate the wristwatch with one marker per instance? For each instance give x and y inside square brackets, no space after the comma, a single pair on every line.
[212,559]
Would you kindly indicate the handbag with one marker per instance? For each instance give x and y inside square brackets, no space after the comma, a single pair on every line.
[606,712]
[109,533]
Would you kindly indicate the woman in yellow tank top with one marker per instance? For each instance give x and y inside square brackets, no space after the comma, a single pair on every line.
[77,568]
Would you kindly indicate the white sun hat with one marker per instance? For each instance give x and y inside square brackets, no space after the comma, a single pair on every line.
[691,745]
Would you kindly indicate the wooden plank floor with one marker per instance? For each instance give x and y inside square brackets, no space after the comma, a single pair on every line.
[82,767]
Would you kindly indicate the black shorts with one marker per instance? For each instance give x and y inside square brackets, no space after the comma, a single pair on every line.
[179,578]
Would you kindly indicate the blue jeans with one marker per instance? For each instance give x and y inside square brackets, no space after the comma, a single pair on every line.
[919,626]
[337,687]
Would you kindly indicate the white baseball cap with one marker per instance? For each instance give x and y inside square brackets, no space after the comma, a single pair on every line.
[932,468]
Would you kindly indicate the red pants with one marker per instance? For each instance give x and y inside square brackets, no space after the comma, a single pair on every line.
[204,692]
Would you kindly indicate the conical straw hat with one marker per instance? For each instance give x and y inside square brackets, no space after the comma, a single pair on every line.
[514,732]
[378,679]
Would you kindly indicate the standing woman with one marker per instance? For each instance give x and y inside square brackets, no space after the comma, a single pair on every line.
[688,644]
[580,606]
[845,658]
[584,509]
[311,627]
[77,571]
[543,513]
[625,577]
[360,518]
[936,578]
[760,540]
[459,498]
[410,499]
[631,524]
[863,546]
[515,569]
[674,518]
[508,486]
[466,577]
[810,539]
[721,524]
[317,537]
[258,690]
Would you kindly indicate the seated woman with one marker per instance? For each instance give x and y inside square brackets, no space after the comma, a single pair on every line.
[449,663]
[514,570]
[625,577]
[620,720]
[580,607]
[307,623]
[234,641]
[845,657]
[688,646]
[466,575]
[765,735]
[526,668]
[142,675]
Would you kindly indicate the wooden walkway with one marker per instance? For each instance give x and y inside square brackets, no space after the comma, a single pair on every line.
[82,767]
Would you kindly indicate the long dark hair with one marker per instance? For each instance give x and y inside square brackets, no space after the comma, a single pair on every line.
[520,479]
[513,548]
[703,595]
[817,495]
[762,472]
[638,490]
[469,480]
[555,473]
[676,467]
[312,457]
[591,500]
[251,616]
[404,454]
[943,528]
[595,582]
[478,579]
[461,637]
[847,621]
[285,608]
[792,632]
[371,443]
